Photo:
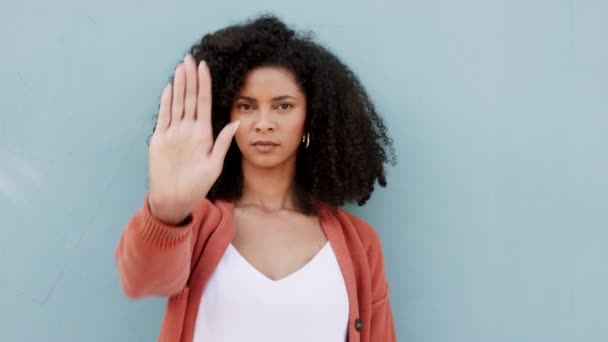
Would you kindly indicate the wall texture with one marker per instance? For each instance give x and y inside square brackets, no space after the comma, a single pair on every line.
[494,224]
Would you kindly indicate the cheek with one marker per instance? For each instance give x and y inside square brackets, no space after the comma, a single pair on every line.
[292,133]
[241,136]
[296,126]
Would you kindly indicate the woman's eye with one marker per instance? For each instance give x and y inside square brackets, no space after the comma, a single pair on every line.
[285,106]
[245,107]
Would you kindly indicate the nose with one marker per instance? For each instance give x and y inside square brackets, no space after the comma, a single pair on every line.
[264,122]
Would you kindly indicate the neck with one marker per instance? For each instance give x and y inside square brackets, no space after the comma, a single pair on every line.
[271,189]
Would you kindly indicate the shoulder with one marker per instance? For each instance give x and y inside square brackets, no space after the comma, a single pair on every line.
[361,234]
[367,234]
[208,215]
[206,209]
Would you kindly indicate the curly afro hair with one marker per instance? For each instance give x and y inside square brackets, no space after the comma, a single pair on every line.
[349,144]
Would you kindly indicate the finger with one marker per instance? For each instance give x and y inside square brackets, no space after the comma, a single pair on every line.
[177,106]
[223,141]
[164,113]
[203,106]
[191,87]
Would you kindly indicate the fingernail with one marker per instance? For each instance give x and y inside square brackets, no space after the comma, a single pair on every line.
[236,125]
[186,57]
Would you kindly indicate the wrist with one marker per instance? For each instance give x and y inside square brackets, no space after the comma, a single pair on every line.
[173,215]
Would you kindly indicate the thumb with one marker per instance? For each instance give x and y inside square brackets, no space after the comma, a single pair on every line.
[222,143]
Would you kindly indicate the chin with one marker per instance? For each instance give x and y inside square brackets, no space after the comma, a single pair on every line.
[265,161]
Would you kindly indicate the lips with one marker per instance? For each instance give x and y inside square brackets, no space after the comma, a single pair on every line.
[264,146]
[265,143]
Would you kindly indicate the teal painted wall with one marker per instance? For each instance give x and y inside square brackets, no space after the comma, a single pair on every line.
[494,224]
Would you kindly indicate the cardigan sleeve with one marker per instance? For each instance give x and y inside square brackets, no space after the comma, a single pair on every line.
[382,324]
[153,258]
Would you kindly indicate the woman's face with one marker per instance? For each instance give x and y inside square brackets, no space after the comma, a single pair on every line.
[272,111]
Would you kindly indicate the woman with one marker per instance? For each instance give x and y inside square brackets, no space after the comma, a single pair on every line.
[243,235]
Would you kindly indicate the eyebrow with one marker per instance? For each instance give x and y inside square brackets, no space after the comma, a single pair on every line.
[278,98]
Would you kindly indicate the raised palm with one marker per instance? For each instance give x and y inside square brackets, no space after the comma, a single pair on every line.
[184,160]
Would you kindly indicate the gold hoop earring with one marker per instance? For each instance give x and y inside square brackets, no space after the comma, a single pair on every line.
[306,139]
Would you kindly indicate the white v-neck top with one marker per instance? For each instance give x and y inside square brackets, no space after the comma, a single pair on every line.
[240,303]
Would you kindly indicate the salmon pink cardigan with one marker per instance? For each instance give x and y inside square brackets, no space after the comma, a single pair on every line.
[156,259]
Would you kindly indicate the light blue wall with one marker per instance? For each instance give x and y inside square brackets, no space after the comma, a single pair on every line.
[495,224]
